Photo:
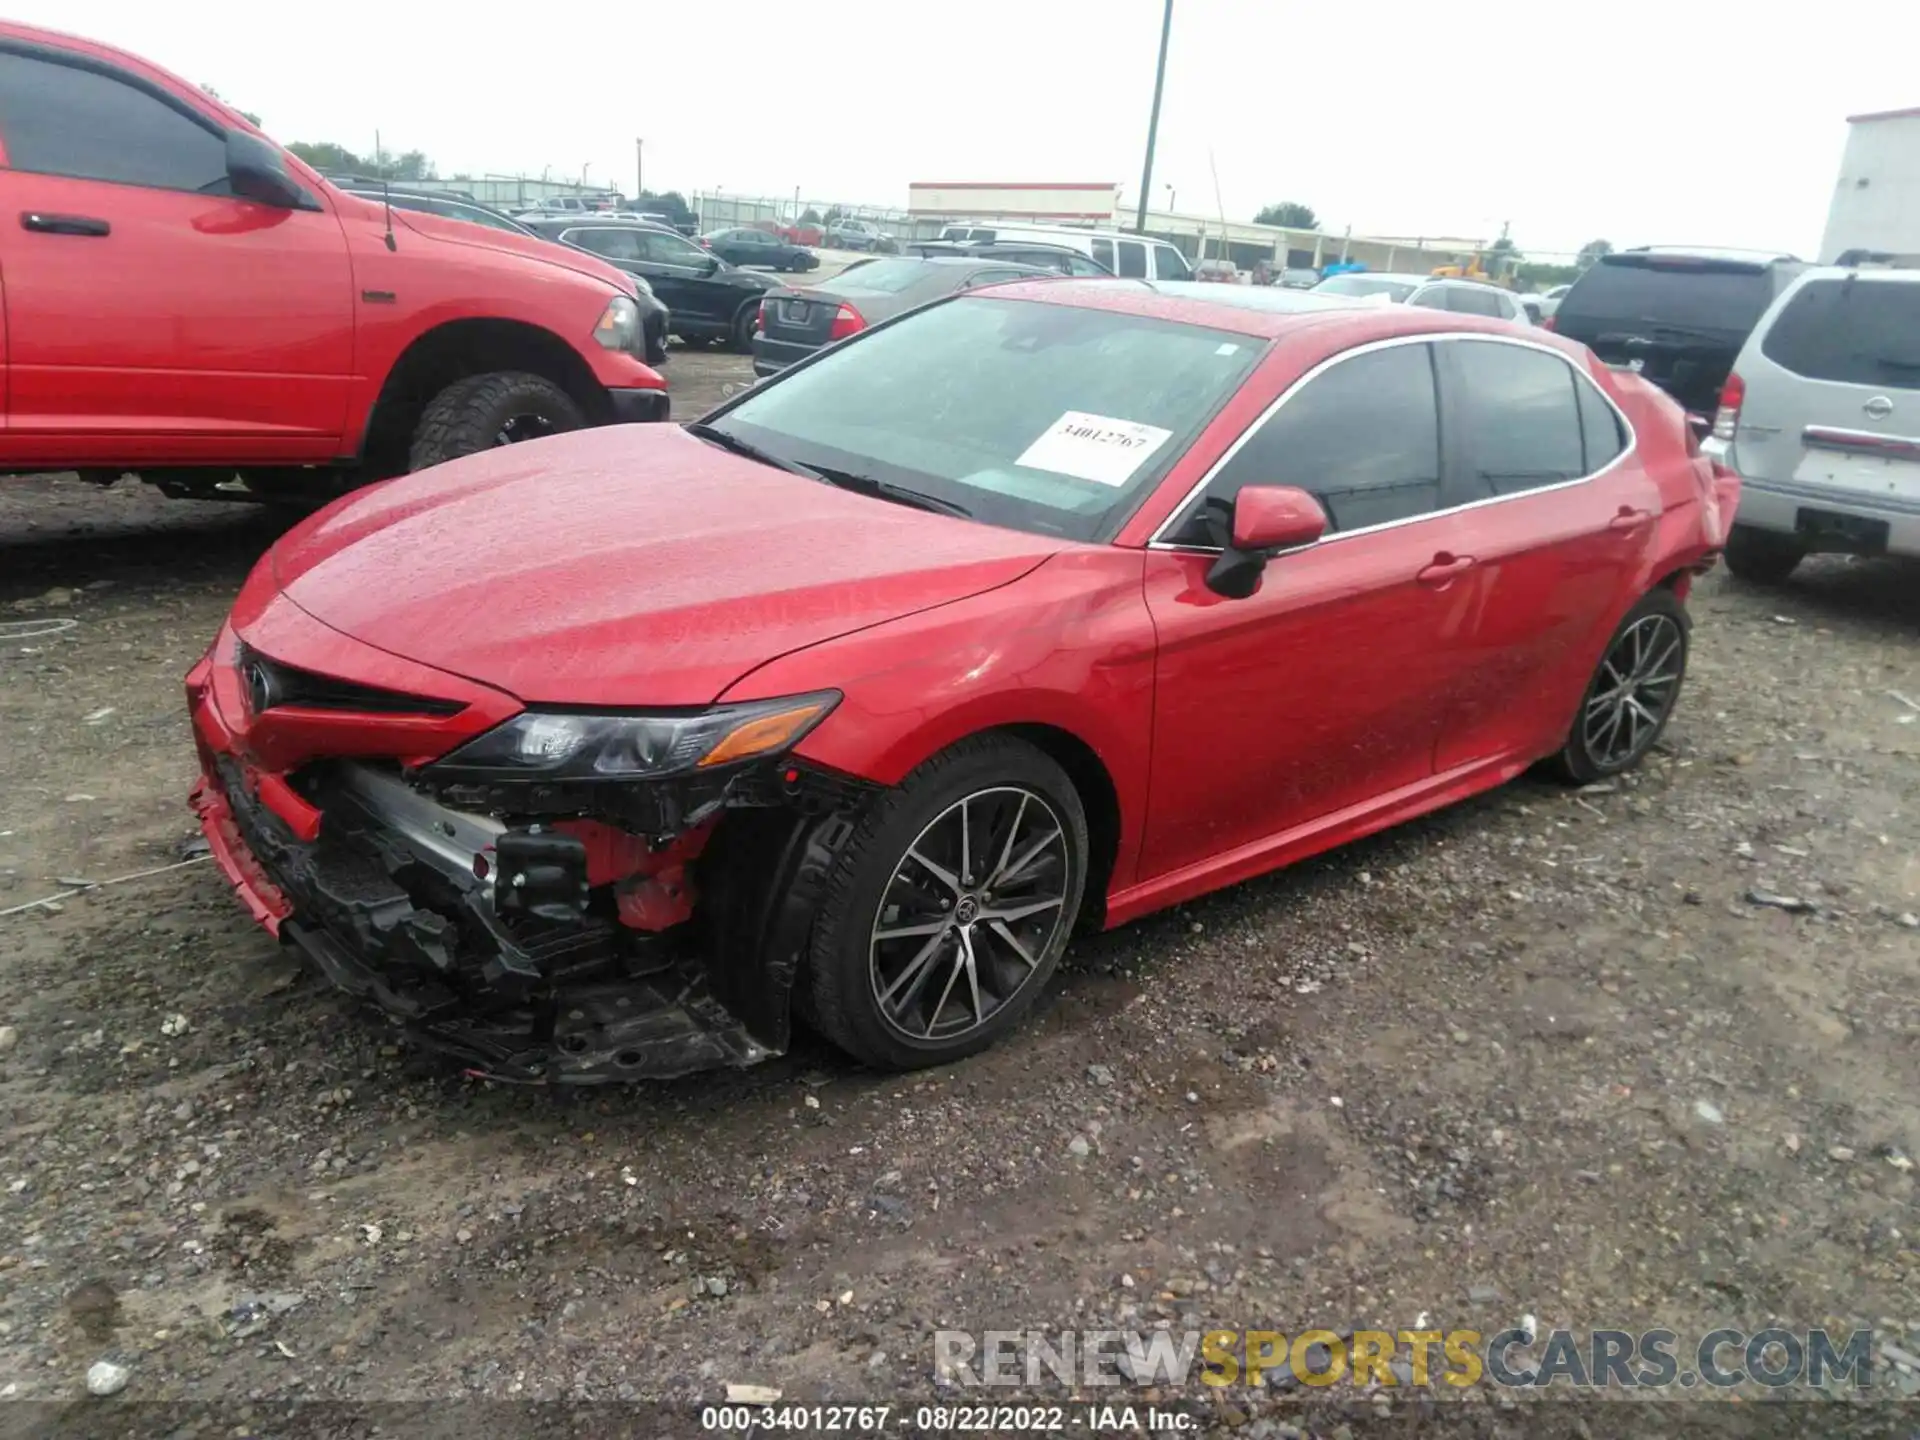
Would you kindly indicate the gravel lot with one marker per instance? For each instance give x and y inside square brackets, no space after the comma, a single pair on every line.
[1540,1054]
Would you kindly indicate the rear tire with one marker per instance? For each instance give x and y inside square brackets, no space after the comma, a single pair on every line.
[742,336]
[1762,557]
[926,996]
[482,412]
[1632,694]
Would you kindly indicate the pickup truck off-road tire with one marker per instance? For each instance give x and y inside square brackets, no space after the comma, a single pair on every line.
[484,411]
[1762,557]
[948,907]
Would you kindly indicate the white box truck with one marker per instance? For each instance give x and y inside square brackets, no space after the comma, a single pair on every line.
[1876,200]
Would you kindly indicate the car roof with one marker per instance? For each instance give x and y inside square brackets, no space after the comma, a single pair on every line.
[1268,311]
[1725,255]
[1404,277]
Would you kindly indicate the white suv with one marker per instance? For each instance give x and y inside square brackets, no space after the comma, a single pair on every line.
[1821,418]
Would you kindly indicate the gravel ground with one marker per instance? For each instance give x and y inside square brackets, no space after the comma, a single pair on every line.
[1538,1055]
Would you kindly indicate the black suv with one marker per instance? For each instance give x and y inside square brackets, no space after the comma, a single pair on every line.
[1678,316]
[709,299]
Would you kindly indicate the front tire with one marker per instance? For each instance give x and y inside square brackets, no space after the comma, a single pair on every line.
[1762,557]
[482,412]
[949,908]
[1632,694]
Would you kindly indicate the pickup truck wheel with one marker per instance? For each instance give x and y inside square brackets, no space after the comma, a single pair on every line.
[743,327]
[485,411]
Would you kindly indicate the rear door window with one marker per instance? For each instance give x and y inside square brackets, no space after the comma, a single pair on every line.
[1519,417]
[614,244]
[1465,300]
[1855,332]
[1600,430]
[1363,437]
[1133,259]
[1103,252]
[1712,296]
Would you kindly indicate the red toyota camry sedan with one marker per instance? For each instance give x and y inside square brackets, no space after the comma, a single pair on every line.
[604,755]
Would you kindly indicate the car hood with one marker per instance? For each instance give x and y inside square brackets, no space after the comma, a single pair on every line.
[631,565]
[505,242]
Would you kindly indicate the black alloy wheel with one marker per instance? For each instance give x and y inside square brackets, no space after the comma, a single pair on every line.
[1632,694]
[948,907]
[970,908]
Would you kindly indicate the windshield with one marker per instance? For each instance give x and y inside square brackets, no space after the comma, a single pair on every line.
[1395,290]
[1049,418]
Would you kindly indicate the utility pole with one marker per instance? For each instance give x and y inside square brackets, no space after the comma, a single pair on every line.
[1153,122]
[639,169]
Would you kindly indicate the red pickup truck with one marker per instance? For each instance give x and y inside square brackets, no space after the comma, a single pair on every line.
[185,300]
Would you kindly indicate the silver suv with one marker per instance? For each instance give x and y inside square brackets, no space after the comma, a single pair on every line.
[1821,418]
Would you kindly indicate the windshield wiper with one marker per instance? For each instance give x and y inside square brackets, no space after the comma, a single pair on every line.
[703,431]
[887,490]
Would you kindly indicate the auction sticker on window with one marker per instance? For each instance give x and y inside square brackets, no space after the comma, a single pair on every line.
[1094,447]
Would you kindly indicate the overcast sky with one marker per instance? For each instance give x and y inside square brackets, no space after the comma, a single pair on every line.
[1678,122]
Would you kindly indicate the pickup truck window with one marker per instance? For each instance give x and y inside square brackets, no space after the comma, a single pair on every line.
[66,120]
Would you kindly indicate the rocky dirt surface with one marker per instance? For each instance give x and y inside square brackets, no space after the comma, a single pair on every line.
[1643,1055]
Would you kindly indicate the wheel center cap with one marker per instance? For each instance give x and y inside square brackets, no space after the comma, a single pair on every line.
[967,911]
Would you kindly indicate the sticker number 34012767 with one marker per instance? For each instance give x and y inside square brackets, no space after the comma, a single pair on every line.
[1093,447]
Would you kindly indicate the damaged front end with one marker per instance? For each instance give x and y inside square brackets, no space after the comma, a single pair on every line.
[563,898]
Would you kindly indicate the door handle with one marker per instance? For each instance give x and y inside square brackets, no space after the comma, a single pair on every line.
[1629,518]
[63,224]
[1445,567]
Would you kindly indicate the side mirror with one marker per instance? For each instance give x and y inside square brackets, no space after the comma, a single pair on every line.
[1266,519]
[255,172]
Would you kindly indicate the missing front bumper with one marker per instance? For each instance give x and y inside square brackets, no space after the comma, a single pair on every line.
[386,902]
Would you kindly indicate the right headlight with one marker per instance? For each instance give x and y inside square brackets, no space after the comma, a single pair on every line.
[618,323]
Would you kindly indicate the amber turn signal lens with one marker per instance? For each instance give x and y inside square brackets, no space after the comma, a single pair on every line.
[763,733]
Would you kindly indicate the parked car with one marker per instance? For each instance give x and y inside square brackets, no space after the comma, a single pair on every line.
[1385,285]
[186,300]
[796,322]
[1678,316]
[1463,297]
[747,245]
[1821,418]
[1470,297]
[1299,277]
[1549,302]
[858,235]
[430,202]
[1063,259]
[1136,257]
[802,233]
[1045,605]
[708,298]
